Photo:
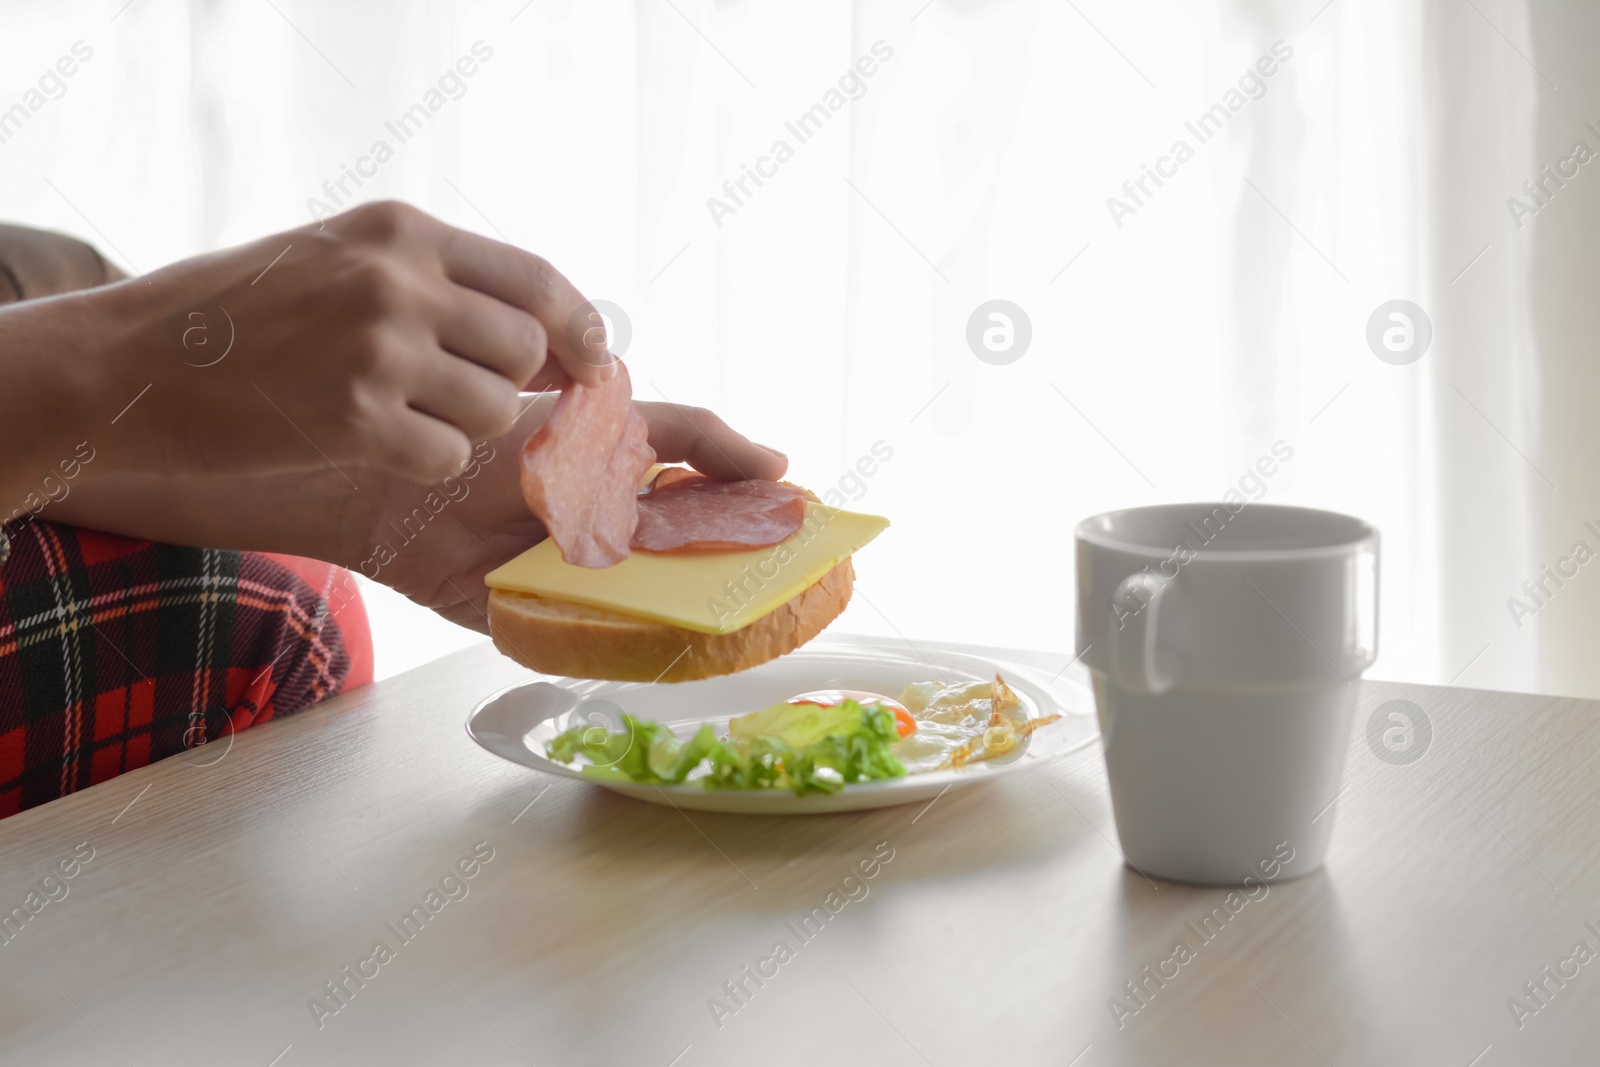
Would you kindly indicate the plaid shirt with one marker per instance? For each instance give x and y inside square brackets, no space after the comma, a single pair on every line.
[116,652]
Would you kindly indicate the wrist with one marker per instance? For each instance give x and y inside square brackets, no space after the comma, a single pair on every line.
[122,333]
[345,518]
[53,422]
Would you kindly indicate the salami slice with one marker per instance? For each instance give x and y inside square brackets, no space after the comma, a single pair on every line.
[669,475]
[701,515]
[581,471]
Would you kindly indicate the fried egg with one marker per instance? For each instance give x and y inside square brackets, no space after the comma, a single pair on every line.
[953,719]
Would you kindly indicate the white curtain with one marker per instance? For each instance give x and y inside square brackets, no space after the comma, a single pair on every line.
[969,155]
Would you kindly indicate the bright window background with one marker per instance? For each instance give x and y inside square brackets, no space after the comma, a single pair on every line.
[829,311]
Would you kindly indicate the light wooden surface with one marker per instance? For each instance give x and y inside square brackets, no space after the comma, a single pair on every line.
[226,895]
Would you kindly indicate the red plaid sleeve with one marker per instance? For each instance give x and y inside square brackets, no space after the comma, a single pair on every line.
[116,652]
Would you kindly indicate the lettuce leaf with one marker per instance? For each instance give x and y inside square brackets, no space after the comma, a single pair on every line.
[795,724]
[856,749]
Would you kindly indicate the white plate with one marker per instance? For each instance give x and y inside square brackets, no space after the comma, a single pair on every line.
[518,721]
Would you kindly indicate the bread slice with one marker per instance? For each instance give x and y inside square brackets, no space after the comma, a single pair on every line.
[578,641]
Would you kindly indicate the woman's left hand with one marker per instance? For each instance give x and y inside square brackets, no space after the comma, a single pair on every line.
[436,543]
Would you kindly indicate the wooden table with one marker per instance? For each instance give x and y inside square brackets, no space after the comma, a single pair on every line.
[224,892]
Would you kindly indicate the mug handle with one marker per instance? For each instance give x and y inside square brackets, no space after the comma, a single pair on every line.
[1132,655]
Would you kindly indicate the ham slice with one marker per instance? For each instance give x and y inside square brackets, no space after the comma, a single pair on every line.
[581,471]
[693,513]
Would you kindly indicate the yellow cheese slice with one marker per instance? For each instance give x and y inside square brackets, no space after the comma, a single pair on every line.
[712,593]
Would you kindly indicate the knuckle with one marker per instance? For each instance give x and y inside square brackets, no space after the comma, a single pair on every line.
[361,413]
[532,347]
[535,337]
[380,287]
[702,418]
[387,221]
[540,269]
[347,438]
[487,409]
[376,371]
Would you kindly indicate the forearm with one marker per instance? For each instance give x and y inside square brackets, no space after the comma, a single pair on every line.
[46,368]
[316,514]
[57,400]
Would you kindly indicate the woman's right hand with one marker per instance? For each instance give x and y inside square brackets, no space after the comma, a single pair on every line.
[382,337]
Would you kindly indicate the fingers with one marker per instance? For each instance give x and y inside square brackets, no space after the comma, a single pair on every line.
[493,334]
[552,377]
[478,402]
[679,433]
[525,281]
[420,447]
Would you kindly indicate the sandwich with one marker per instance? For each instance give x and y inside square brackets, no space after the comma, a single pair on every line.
[661,574]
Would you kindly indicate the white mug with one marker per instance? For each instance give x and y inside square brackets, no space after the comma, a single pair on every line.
[1225,642]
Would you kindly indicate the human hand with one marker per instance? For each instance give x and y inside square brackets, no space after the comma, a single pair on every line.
[436,543]
[382,338]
